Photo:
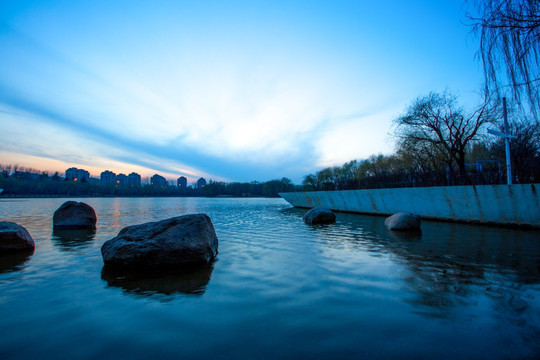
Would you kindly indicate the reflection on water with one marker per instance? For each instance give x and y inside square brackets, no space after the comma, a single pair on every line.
[166,282]
[72,239]
[280,288]
[294,212]
[14,261]
[449,265]
[410,235]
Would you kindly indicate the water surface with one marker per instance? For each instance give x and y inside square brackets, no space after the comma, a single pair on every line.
[278,289]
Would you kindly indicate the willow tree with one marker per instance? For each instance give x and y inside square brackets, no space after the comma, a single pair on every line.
[509,33]
[435,127]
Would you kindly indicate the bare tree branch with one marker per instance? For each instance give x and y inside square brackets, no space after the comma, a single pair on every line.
[435,129]
[509,33]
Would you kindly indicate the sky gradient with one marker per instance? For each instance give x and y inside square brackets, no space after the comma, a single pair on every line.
[226,90]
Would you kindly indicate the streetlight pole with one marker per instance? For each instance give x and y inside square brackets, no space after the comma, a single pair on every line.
[506,135]
[507,144]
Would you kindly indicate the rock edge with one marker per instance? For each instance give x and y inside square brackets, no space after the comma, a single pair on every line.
[403,221]
[179,241]
[319,216]
[14,237]
[74,215]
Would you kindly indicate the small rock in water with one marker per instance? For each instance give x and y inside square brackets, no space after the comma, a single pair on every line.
[14,237]
[74,215]
[179,241]
[319,216]
[403,221]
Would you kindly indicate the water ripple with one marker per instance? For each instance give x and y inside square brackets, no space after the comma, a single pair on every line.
[279,288]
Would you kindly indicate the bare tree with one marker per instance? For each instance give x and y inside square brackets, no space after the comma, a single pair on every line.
[439,130]
[509,32]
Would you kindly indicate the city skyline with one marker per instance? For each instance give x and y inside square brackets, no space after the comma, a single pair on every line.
[133,178]
[241,91]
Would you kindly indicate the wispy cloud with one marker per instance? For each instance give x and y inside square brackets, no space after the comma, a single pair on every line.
[53,134]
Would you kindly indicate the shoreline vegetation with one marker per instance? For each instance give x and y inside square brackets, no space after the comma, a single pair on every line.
[32,183]
[440,143]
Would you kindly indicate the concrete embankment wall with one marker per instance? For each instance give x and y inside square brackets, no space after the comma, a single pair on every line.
[499,204]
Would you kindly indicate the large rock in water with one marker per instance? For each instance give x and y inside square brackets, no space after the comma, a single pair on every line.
[178,241]
[319,216]
[403,221]
[74,215]
[14,237]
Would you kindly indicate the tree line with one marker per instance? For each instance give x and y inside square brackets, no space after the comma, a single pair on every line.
[31,182]
[440,143]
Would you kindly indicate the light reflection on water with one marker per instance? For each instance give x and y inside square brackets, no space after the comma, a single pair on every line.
[72,239]
[279,288]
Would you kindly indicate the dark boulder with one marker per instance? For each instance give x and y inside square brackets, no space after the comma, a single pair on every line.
[403,221]
[180,241]
[73,215]
[319,216]
[14,237]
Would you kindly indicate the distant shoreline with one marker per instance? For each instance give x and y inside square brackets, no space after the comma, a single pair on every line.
[34,196]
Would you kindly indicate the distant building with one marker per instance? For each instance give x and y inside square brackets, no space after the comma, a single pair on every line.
[158,180]
[71,173]
[182,182]
[108,178]
[134,179]
[201,183]
[83,175]
[77,174]
[121,179]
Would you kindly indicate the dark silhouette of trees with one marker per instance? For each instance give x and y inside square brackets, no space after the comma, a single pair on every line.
[5,170]
[440,144]
[17,181]
[272,188]
[436,132]
[509,33]
[310,183]
[378,171]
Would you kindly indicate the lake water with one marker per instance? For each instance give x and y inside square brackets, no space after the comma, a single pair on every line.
[278,289]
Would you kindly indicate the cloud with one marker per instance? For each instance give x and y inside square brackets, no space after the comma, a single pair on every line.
[222,120]
[52,134]
[243,91]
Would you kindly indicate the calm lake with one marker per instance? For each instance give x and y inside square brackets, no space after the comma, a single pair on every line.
[278,289]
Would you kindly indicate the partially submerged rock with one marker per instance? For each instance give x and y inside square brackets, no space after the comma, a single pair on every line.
[14,237]
[74,215]
[179,241]
[319,216]
[403,221]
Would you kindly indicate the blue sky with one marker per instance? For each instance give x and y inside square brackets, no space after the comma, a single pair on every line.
[226,90]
